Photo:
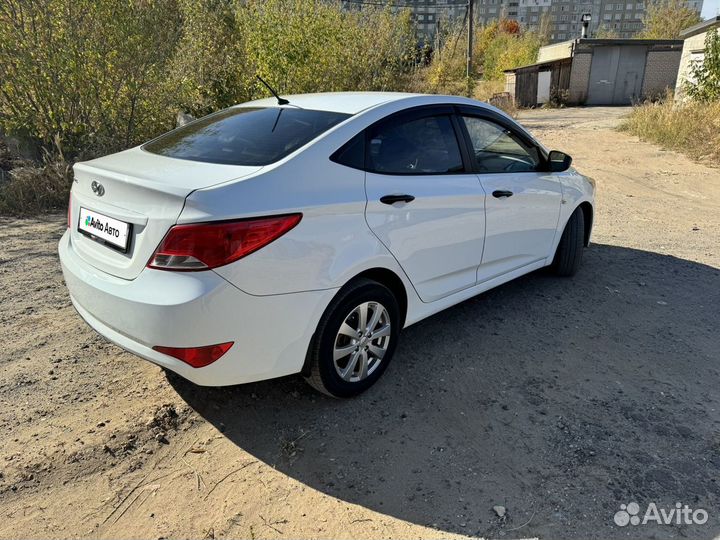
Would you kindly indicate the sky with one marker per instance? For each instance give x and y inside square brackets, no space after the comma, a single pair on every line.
[711,8]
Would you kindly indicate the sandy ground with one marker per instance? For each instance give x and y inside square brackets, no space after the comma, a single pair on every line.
[559,399]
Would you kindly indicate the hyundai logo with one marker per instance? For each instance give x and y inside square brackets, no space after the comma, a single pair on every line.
[97,188]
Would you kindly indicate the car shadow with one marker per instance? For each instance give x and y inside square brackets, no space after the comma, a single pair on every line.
[558,399]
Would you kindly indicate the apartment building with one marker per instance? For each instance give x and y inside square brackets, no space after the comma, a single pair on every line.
[620,19]
[429,15]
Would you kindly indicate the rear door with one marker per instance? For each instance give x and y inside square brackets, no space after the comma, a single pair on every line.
[424,204]
[523,201]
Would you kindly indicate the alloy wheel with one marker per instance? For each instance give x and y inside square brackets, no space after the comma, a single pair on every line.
[362,341]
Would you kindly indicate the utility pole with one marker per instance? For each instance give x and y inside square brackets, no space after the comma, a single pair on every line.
[471,24]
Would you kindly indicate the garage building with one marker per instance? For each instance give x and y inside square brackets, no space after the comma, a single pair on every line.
[597,72]
[693,52]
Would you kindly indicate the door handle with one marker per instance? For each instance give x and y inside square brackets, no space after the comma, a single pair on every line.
[502,193]
[392,199]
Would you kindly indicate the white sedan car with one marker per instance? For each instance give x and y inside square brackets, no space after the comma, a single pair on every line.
[274,238]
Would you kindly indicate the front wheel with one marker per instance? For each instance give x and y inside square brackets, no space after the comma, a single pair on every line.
[355,339]
[570,249]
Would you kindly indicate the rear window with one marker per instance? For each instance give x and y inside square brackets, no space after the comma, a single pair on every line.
[245,136]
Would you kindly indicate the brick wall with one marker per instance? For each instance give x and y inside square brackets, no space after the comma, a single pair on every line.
[661,69]
[579,78]
[693,45]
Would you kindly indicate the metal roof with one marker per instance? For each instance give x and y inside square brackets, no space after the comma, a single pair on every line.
[593,42]
[700,27]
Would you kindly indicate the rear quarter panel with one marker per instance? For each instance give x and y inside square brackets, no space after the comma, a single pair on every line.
[331,244]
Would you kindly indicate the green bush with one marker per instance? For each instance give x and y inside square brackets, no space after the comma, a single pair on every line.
[82,78]
[102,75]
[315,46]
[498,46]
[91,72]
[705,76]
[209,70]
[506,51]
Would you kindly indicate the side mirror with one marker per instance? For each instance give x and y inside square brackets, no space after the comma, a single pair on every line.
[559,161]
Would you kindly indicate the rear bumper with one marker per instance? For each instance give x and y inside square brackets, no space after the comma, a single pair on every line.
[191,309]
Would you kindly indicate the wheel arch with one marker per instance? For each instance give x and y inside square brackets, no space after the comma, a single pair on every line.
[588,211]
[385,277]
[392,281]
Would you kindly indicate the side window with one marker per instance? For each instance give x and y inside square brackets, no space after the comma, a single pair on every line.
[420,146]
[497,150]
[352,153]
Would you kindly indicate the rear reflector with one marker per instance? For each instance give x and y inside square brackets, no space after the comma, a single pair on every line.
[201,246]
[197,357]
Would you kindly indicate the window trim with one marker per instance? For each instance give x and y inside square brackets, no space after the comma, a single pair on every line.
[462,136]
[409,115]
[497,119]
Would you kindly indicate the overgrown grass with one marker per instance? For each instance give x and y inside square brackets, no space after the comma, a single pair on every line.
[32,189]
[692,128]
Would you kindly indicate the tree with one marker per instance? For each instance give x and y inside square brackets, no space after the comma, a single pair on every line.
[605,32]
[209,71]
[704,83]
[510,26]
[665,19]
[87,75]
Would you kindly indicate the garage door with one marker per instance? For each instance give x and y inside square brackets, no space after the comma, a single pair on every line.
[543,89]
[616,75]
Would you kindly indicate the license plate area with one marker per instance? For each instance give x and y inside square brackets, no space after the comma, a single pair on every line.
[105,230]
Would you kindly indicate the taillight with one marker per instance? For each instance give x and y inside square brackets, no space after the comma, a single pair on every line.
[197,357]
[201,246]
[69,216]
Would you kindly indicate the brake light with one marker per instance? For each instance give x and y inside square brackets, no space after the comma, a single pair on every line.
[201,246]
[197,357]
[69,216]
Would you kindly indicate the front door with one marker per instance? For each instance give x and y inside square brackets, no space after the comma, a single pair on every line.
[523,202]
[423,203]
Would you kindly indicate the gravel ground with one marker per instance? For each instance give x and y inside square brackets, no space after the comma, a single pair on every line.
[557,399]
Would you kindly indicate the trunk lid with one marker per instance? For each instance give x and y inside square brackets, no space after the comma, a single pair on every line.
[145,190]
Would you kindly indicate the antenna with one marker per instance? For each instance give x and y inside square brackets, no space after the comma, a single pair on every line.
[281,101]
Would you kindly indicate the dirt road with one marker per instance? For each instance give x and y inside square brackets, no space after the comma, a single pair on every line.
[559,399]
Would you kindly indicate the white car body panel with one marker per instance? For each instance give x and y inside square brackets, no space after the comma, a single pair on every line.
[453,242]
[521,228]
[184,309]
[437,238]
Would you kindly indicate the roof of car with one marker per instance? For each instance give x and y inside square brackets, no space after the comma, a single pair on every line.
[342,102]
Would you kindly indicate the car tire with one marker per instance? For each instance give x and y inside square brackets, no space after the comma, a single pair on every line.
[568,255]
[341,375]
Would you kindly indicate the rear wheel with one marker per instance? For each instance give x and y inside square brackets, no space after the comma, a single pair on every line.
[570,249]
[355,339]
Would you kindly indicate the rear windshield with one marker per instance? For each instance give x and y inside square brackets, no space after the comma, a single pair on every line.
[245,136]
